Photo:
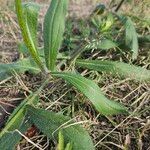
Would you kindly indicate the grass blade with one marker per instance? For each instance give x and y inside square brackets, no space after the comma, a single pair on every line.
[49,123]
[54,25]
[101,103]
[116,68]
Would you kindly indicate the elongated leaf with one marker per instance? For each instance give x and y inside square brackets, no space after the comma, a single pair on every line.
[106,44]
[54,24]
[31,11]
[16,119]
[131,37]
[24,50]
[20,66]
[49,122]
[28,33]
[60,141]
[11,138]
[69,147]
[116,68]
[8,136]
[107,24]
[93,92]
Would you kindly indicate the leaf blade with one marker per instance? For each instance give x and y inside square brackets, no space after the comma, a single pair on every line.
[11,138]
[106,44]
[116,68]
[8,136]
[31,10]
[101,103]
[48,122]
[131,37]
[26,34]
[54,25]
[27,64]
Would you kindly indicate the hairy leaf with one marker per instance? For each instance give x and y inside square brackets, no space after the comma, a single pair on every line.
[24,50]
[31,11]
[50,123]
[8,136]
[11,138]
[131,37]
[116,68]
[27,29]
[106,44]
[54,24]
[20,66]
[93,92]
[16,120]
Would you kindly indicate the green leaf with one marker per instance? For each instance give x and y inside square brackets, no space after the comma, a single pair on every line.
[116,68]
[93,92]
[54,25]
[11,138]
[60,141]
[106,44]
[8,136]
[69,146]
[107,24]
[24,50]
[25,16]
[27,64]
[49,123]
[31,11]
[131,37]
